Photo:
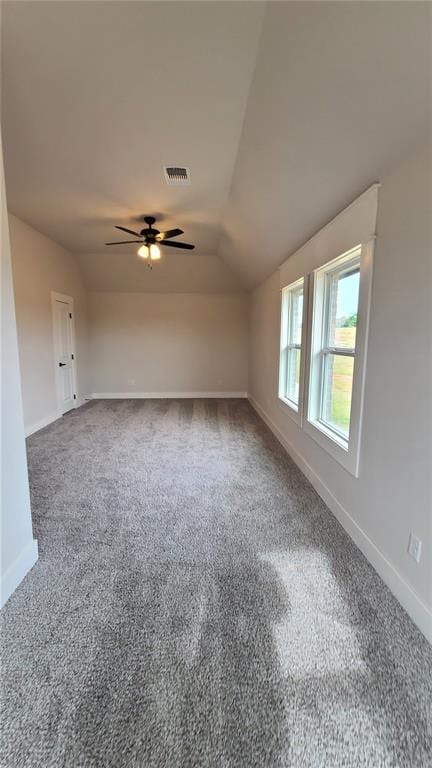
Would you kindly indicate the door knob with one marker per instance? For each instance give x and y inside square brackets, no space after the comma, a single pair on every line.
[61,365]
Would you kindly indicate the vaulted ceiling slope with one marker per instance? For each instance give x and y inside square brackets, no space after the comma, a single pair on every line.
[341,92]
[99,96]
[283,112]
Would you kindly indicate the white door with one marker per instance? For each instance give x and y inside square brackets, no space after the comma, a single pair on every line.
[64,353]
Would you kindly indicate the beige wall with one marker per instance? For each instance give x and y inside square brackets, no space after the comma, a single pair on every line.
[18,548]
[177,272]
[168,342]
[136,342]
[392,494]
[39,267]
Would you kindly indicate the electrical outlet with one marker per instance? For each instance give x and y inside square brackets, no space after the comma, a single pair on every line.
[414,547]
[131,382]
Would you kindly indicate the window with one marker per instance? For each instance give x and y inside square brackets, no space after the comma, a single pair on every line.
[324,330]
[290,368]
[338,329]
[340,310]
[323,352]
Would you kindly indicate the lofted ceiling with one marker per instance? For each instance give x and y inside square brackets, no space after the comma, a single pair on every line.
[283,112]
[341,94]
[99,96]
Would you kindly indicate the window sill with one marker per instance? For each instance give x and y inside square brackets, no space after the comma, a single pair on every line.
[339,449]
[290,408]
[331,434]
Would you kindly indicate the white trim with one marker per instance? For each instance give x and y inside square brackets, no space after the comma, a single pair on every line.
[52,417]
[62,297]
[163,395]
[410,601]
[81,401]
[290,409]
[356,224]
[347,453]
[17,570]
[294,410]
[42,423]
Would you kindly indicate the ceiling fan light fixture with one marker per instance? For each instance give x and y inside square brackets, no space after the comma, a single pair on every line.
[143,252]
[150,238]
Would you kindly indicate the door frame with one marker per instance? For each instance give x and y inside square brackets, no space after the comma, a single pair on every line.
[55,296]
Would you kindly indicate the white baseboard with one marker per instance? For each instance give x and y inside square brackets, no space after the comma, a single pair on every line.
[42,423]
[14,575]
[410,601]
[81,400]
[52,417]
[162,395]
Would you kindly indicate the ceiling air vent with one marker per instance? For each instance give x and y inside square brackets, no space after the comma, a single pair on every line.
[176,176]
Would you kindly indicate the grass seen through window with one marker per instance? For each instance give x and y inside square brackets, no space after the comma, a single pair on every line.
[341,380]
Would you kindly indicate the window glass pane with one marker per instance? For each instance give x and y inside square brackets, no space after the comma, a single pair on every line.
[295,325]
[291,339]
[343,308]
[337,392]
[293,375]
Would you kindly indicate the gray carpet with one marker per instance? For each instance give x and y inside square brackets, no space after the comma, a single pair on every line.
[196,604]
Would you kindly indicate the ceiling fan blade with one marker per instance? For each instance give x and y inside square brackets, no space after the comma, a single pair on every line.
[123,242]
[168,234]
[129,231]
[177,245]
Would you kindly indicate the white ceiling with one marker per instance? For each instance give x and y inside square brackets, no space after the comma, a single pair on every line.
[280,130]
[342,90]
[99,96]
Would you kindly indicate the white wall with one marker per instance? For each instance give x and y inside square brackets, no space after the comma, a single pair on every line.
[39,267]
[18,548]
[392,495]
[159,343]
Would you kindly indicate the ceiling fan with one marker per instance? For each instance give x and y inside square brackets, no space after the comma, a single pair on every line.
[150,239]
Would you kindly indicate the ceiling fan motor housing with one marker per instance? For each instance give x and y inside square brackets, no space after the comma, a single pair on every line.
[150,233]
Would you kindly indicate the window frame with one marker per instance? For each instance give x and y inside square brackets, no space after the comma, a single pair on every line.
[294,410]
[339,267]
[345,451]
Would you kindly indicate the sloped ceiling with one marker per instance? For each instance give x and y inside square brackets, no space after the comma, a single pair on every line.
[99,96]
[283,114]
[341,91]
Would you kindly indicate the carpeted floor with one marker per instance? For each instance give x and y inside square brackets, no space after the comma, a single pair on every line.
[196,604]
